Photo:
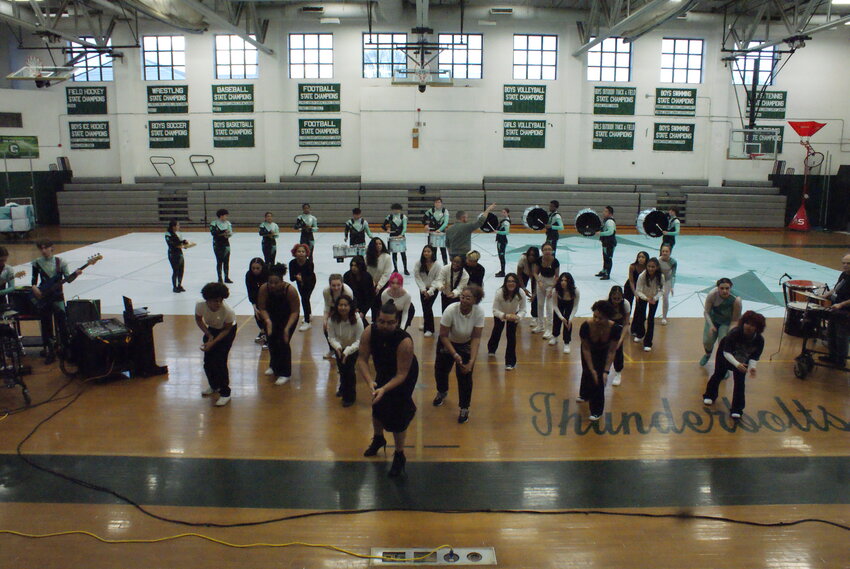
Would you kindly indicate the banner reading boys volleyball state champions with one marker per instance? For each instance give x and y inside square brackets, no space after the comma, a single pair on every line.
[85,100]
[614,100]
[675,137]
[318,97]
[314,133]
[524,134]
[168,134]
[233,98]
[233,134]
[613,135]
[675,102]
[168,99]
[529,99]
[89,135]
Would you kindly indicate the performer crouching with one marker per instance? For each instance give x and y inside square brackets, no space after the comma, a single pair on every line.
[344,332]
[218,323]
[508,308]
[278,304]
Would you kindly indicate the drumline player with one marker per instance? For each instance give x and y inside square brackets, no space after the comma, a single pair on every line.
[396,224]
[308,225]
[673,227]
[502,233]
[356,229]
[554,224]
[608,238]
[839,317]
[436,220]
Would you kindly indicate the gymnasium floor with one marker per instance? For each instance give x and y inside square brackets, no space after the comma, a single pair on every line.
[279,451]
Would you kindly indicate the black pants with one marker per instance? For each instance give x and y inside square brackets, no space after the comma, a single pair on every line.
[177,266]
[607,258]
[501,247]
[525,279]
[50,312]
[280,352]
[552,237]
[445,301]
[269,251]
[305,290]
[443,366]
[444,254]
[307,238]
[589,390]
[643,326]
[215,361]
[410,313]
[428,311]
[222,261]
[403,260]
[566,308]
[618,359]
[669,240]
[376,303]
[721,366]
[347,377]
[510,336]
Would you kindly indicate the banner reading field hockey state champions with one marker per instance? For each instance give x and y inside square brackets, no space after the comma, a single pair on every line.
[319,132]
[318,97]
[168,99]
[675,102]
[168,134]
[233,134]
[524,134]
[614,100]
[613,135]
[89,135]
[675,137]
[528,99]
[85,100]
[233,98]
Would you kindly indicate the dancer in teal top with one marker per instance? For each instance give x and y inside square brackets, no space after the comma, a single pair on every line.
[502,240]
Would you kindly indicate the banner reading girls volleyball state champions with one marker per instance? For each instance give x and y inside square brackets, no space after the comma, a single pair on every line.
[524,134]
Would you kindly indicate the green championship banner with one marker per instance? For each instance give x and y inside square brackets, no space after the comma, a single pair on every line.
[771,105]
[18,147]
[524,134]
[233,134]
[614,100]
[768,141]
[530,99]
[233,98]
[675,137]
[86,100]
[675,102]
[318,97]
[613,135]
[168,99]
[168,134]
[89,135]
[319,132]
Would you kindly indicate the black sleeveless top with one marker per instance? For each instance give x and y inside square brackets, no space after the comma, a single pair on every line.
[384,354]
[549,272]
[277,305]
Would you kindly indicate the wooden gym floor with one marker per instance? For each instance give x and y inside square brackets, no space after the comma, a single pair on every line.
[277,451]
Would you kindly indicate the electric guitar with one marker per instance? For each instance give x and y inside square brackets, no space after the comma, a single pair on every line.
[17,275]
[51,287]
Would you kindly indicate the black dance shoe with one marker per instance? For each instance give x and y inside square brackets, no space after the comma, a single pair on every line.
[438,400]
[378,442]
[399,460]
[227,280]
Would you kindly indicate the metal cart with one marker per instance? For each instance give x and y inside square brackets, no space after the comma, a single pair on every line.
[814,323]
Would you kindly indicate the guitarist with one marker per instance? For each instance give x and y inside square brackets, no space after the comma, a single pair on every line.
[47,267]
[7,275]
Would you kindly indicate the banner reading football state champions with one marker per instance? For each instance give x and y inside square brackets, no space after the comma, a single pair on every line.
[319,132]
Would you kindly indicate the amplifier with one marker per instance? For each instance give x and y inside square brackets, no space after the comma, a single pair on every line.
[79,310]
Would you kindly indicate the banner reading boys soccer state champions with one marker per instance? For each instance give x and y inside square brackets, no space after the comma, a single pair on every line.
[168,134]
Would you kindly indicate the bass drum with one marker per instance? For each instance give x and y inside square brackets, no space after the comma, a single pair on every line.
[652,222]
[490,224]
[535,217]
[588,222]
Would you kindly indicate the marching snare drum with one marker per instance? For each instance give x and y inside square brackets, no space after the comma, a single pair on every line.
[792,290]
[800,319]
[340,250]
[588,222]
[397,244]
[490,223]
[437,239]
[652,222]
[535,217]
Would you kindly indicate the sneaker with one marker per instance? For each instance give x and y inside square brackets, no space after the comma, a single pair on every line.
[181,289]
[222,401]
[703,360]
[536,330]
[438,400]
[329,355]
[553,341]
[707,401]
[594,418]
[735,415]
[421,328]
[604,278]
[664,322]
[281,380]
[636,339]
[616,378]
[534,323]
[509,367]
[647,348]
[463,416]
[499,275]
[207,391]
[580,399]
[265,345]
[491,354]
[547,334]
[227,280]
[304,327]
[599,274]
[566,348]
[269,371]
[175,289]
[346,403]
[428,334]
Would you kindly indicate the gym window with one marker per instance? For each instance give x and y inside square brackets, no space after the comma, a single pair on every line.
[535,57]
[463,55]
[91,65]
[383,55]
[610,60]
[311,56]
[164,58]
[681,60]
[235,58]
[745,65]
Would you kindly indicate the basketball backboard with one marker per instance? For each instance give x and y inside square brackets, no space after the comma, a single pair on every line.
[753,144]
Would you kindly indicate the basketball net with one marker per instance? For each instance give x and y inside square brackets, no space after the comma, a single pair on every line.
[35,65]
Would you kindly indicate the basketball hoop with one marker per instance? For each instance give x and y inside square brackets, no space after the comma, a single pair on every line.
[813,159]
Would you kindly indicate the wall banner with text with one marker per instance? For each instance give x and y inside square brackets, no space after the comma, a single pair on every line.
[168,99]
[319,132]
[18,147]
[86,100]
[675,137]
[233,134]
[524,134]
[530,99]
[769,147]
[613,135]
[168,134]
[771,105]
[318,97]
[89,135]
[233,98]
[675,102]
[614,100]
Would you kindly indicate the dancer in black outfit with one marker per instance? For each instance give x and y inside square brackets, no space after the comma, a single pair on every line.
[600,337]
[396,372]
[303,274]
[222,230]
[427,272]
[278,304]
[359,281]
[739,353]
[257,275]
[176,244]
[218,323]
[622,315]
[635,269]
[508,308]
[525,269]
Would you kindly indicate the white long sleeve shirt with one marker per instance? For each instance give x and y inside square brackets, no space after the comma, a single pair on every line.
[382,270]
[345,336]
[402,303]
[330,299]
[502,307]
[446,279]
[646,291]
[429,281]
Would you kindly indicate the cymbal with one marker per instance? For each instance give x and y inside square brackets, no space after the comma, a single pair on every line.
[811,295]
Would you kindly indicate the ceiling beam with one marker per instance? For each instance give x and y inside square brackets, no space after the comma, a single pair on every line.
[39,29]
[810,31]
[624,24]
[214,17]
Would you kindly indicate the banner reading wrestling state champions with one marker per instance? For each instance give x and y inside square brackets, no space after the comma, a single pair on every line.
[164,99]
